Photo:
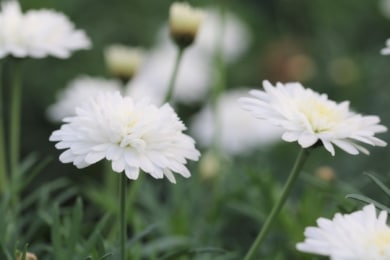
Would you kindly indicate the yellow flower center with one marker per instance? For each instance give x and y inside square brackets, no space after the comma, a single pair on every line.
[322,115]
[381,240]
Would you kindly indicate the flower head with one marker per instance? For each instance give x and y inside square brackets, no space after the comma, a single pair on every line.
[122,61]
[386,50]
[228,30]
[155,72]
[132,135]
[28,256]
[308,117]
[75,94]
[238,131]
[184,23]
[361,235]
[38,33]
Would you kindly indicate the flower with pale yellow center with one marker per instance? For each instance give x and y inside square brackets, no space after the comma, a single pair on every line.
[122,61]
[311,118]
[361,235]
[184,23]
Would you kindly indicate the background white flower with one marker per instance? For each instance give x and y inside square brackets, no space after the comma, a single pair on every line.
[361,235]
[236,35]
[38,33]
[386,50]
[133,136]
[308,117]
[239,132]
[192,83]
[195,75]
[76,93]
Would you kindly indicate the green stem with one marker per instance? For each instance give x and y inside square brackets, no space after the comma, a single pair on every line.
[15,117]
[172,81]
[220,83]
[123,226]
[300,161]
[3,161]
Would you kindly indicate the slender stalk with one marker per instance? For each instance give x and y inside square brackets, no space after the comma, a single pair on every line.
[15,117]
[123,226]
[219,82]
[3,161]
[300,161]
[172,81]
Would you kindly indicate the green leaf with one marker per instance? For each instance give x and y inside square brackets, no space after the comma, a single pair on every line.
[379,183]
[367,200]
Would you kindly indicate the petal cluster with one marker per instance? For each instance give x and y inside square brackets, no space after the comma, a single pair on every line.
[361,235]
[308,117]
[133,136]
[38,33]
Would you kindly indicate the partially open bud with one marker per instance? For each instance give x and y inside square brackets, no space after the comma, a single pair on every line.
[123,62]
[209,165]
[184,23]
[29,256]
[325,173]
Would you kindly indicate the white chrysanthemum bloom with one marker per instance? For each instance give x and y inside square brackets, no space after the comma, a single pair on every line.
[38,33]
[132,135]
[193,80]
[309,117]
[184,23]
[239,132]
[76,93]
[361,235]
[123,61]
[236,37]
[386,50]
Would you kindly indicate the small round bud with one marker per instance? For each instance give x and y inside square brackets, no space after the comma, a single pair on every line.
[29,256]
[325,173]
[123,62]
[184,23]
[209,165]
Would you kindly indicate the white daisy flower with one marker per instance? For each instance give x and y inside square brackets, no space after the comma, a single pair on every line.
[76,93]
[239,132]
[386,50]
[193,80]
[236,35]
[132,135]
[309,117]
[361,235]
[38,33]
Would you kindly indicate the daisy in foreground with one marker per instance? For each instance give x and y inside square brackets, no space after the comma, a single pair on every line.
[132,135]
[309,118]
[361,235]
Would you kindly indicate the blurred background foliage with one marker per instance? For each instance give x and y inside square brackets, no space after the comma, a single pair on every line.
[330,46]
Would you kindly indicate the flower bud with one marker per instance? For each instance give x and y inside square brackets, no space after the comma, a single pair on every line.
[184,23]
[325,173]
[209,166]
[122,61]
[29,256]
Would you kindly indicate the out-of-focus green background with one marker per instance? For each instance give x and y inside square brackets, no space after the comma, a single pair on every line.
[339,42]
[330,46]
